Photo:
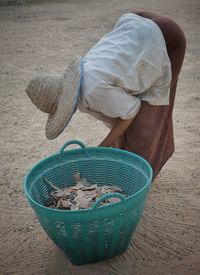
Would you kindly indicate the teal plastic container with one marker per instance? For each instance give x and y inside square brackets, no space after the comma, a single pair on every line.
[101,232]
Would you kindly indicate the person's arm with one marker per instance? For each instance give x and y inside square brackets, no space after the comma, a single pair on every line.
[113,102]
[117,131]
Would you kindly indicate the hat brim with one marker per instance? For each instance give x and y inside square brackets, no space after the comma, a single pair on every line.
[67,102]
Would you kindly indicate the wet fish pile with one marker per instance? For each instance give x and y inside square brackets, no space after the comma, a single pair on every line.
[80,196]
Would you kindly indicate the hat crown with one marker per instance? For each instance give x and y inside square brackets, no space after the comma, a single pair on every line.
[45,91]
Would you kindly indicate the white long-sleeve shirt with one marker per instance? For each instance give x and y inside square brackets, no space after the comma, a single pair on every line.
[127,65]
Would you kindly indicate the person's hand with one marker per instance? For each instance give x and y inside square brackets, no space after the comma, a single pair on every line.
[117,132]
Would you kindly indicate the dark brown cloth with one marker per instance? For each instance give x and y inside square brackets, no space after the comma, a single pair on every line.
[151,133]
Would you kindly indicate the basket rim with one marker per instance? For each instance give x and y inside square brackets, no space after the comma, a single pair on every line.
[91,148]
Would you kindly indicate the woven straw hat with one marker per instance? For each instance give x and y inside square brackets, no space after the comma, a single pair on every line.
[57,96]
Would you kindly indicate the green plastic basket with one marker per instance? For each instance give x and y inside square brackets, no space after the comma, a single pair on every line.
[95,234]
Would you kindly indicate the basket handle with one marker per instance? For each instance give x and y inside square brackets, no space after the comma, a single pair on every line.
[107,196]
[74,142]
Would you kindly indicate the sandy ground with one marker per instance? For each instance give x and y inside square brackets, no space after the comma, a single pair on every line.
[39,39]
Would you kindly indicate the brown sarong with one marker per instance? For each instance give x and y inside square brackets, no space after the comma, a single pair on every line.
[151,133]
